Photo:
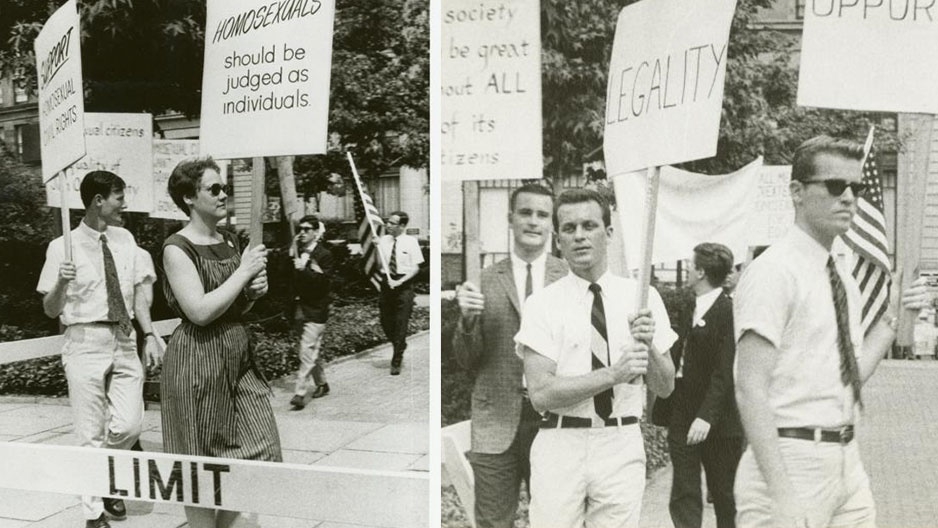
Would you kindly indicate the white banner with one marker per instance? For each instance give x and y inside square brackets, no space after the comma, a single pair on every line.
[167,153]
[61,94]
[773,213]
[692,208]
[265,85]
[120,143]
[665,91]
[876,55]
[491,88]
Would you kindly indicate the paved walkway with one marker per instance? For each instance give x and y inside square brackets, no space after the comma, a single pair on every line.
[897,438]
[370,420]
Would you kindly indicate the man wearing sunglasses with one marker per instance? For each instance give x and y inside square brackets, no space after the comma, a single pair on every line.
[801,356]
[401,258]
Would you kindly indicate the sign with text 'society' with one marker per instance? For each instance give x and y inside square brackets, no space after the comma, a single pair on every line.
[877,55]
[61,95]
[491,90]
[265,84]
[665,88]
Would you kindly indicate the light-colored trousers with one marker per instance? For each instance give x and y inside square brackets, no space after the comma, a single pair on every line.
[311,371]
[589,477]
[105,390]
[828,478]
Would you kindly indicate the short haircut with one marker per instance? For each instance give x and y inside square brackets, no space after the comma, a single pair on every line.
[803,167]
[402,215]
[186,178]
[575,196]
[716,261]
[529,188]
[312,220]
[99,182]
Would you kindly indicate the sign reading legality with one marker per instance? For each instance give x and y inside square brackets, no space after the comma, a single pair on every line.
[61,95]
[265,87]
[665,90]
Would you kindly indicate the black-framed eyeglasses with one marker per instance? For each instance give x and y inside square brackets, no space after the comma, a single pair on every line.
[307,229]
[836,187]
[217,188]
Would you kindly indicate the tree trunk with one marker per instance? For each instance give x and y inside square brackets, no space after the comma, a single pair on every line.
[291,210]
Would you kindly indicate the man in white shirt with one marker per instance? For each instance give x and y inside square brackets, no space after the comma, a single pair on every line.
[586,349]
[801,357]
[402,258]
[95,295]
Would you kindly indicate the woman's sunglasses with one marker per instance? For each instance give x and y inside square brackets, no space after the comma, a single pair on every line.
[837,187]
[217,188]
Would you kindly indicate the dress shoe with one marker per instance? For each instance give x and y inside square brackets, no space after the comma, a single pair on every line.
[115,509]
[297,402]
[395,369]
[100,522]
[321,390]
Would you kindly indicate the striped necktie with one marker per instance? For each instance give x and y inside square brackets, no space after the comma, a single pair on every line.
[116,309]
[600,348]
[528,283]
[392,265]
[849,372]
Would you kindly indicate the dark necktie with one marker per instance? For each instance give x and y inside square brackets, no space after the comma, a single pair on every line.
[849,372]
[116,309]
[600,348]
[392,265]
[528,283]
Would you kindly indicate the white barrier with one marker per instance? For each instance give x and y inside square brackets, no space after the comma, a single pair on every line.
[354,496]
[22,350]
[456,442]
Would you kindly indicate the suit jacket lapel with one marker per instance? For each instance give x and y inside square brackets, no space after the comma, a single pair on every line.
[507,279]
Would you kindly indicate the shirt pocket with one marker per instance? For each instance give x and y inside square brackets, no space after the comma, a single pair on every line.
[575,354]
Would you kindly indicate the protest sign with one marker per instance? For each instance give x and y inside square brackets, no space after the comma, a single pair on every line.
[772,211]
[119,143]
[491,90]
[167,153]
[870,55]
[665,89]
[265,86]
[61,94]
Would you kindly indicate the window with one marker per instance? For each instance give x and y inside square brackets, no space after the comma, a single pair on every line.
[799,9]
[19,95]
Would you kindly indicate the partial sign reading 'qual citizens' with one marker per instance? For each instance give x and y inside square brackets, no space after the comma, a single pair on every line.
[265,89]
[491,87]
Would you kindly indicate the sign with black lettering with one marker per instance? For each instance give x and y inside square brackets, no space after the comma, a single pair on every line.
[167,153]
[119,143]
[873,55]
[265,86]
[491,88]
[61,95]
[665,89]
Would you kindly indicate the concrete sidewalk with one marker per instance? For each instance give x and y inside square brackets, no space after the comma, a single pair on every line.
[370,420]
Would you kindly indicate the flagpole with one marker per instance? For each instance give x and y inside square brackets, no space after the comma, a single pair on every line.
[361,196]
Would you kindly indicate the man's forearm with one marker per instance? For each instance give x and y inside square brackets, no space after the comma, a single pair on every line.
[660,377]
[142,309]
[875,346]
[758,422]
[562,391]
[53,302]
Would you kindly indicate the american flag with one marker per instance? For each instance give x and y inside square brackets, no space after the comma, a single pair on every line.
[867,238]
[370,229]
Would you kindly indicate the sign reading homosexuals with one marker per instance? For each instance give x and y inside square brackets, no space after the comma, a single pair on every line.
[872,55]
[167,153]
[120,143]
[265,86]
[665,90]
[491,88]
[61,94]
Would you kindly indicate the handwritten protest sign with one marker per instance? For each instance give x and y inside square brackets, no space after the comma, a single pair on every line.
[167,153]
[665,88]
[265,87]
[772,211]
[120,143]
[61,95]
[491,90]
[872,55]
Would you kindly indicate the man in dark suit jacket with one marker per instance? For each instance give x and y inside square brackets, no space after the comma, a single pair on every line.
[313,268]
[704,426]
[503,421]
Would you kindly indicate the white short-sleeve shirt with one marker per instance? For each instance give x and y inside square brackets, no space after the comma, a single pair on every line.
[409,256]
[556,324]
[785,297]
[86,295]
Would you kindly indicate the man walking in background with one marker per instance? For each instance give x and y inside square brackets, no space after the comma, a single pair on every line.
[403,260]
[503,421]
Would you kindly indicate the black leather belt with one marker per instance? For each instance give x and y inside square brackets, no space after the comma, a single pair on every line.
[844,435]
[553,421]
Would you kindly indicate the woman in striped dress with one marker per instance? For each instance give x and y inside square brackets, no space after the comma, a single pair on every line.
[215,402]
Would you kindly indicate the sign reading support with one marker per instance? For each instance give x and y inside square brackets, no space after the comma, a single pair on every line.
[61,94]
[119,143]
[167,153]
[665,91]
[491,88]
[265,87]
[870,55]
